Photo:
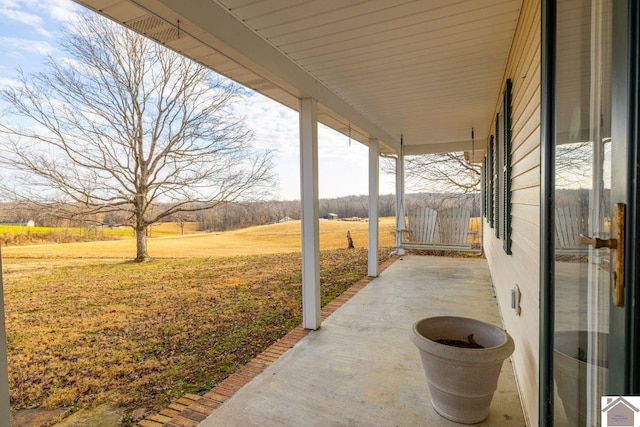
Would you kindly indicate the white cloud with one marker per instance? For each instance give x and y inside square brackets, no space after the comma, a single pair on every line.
[43,32]
[39,15]
[18,46]
[6,82]
[61,10]
[9,4]
[275,126]
[343,166]
[22,17]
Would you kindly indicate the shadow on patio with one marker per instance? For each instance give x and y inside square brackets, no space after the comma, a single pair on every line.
[360,368]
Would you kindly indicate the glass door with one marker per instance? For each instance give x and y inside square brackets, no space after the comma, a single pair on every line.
[589,300]
[582,204]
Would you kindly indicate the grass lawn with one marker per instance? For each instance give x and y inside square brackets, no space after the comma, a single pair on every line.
[84,331]
[264,239]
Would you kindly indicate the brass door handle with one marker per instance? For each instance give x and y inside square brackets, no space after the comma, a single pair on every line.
[616,245]
[598,243]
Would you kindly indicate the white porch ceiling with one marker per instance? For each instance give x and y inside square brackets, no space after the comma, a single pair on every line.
[429,70]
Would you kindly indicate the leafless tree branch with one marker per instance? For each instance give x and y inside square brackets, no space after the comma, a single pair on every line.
[123,124]
[440,173]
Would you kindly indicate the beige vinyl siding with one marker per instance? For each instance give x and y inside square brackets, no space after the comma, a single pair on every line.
[522,267]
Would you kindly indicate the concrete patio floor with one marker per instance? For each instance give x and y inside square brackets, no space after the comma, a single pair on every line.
[361,369]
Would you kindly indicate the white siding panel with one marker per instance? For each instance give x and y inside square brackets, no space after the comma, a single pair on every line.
[521,268]
[521,173]
[527,196]
[526,162]
[344,16]
[270,9]
[523,125]
[398,59]
[529,179]
[528,133]
[527,216]
[409,28]
[344,20]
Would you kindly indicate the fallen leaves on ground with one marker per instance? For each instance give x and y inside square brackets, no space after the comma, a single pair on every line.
[141,335]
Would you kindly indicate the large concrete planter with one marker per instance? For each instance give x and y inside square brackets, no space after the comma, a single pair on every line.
[461,380]
[570,371]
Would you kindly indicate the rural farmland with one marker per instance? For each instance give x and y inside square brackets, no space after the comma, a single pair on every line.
[88,327]
[265,239]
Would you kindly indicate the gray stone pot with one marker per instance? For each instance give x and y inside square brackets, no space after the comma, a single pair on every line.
[571,373]
[461,380]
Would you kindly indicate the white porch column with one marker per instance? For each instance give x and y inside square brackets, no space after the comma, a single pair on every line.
[309,213]
[5,413]
[400,202]
[374,189]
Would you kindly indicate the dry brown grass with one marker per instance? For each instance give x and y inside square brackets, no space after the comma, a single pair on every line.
[475,228]
[168,228]
[266,239]
[86,327]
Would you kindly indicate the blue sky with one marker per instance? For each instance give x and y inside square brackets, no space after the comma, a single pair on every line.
[28,32]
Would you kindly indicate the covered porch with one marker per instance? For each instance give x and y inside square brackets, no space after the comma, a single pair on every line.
[360,367]
[404,79]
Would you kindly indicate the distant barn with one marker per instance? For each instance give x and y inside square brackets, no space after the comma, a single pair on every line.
[332,216]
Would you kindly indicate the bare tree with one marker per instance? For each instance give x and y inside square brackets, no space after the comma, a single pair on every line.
[181,219]
[452,172]
[573,165]
[439,173]
[125,125]
[443,173]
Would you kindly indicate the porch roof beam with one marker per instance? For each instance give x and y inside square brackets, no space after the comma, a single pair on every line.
[214,26]
[444,147]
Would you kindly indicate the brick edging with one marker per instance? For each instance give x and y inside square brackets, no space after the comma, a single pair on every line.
[191,409]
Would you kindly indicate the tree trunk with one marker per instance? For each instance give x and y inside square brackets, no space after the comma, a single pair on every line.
[141,244]
[350,241]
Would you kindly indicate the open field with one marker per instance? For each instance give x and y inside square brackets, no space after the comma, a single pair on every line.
[475,230]
[85,326]
[140,335]
[266,239]
[173,229]
[13,235]
[166,241]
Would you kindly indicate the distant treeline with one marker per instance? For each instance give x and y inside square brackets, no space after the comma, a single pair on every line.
[228,216]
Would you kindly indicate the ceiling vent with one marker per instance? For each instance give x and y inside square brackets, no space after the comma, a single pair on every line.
[155,28]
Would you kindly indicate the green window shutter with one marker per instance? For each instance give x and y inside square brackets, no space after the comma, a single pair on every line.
[496,179]
[506,168]
[483,181]
[490,183]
